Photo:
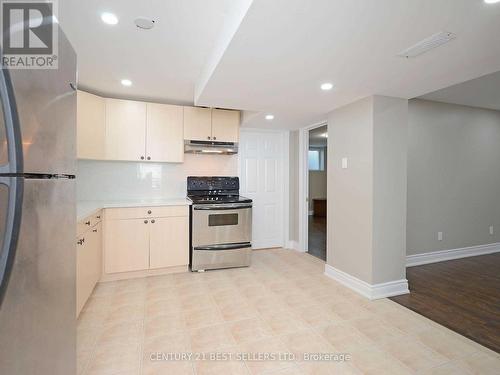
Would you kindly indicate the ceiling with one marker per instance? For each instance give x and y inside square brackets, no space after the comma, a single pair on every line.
[163,63]
[317,137]
[266,56]
[483,92]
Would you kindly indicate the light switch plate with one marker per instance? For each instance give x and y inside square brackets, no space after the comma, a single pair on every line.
[344,163]
[440,236]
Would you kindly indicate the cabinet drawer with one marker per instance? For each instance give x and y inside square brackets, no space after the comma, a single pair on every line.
[145,212]
[87,223]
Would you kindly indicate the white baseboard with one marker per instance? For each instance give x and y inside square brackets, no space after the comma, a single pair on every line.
[293,245]
[444,255]
[370,291]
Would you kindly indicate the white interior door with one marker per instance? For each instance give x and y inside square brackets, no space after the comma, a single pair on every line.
[262,169]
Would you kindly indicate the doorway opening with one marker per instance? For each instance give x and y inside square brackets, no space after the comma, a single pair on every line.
[317,191]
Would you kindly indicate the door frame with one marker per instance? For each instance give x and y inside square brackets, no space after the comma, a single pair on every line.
[304,185]
[285,191]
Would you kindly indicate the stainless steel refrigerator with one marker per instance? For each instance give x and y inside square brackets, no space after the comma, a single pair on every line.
[37,218]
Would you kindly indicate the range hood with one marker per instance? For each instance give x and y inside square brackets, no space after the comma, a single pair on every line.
[209,147]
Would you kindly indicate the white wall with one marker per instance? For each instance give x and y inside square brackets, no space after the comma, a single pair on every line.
[106,180]
[350,191]
[453,176]
[317,186]
[367,201]
[318,181]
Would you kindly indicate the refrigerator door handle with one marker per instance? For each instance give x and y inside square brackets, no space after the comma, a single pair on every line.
[12,126]
[12,228]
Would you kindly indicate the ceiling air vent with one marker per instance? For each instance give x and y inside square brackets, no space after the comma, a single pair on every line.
[427,44]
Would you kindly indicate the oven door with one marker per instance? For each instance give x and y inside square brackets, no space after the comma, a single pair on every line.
[216,224]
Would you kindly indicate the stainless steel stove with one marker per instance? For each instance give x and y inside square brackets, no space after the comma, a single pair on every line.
[220,222]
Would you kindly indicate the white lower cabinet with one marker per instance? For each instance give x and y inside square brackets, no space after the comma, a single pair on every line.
[88,264]
[126,244]
[168,242]
[147,242]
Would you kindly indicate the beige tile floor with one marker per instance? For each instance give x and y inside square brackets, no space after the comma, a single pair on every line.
[281,304]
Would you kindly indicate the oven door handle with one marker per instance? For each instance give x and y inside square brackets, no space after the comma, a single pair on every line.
[221,207]
[231,246]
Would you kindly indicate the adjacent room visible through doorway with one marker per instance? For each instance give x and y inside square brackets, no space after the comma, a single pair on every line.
[317,187]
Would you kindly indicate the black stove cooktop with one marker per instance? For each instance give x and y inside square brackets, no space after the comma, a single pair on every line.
[210,190]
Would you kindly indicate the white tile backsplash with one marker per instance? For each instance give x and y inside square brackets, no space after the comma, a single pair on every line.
[108,180]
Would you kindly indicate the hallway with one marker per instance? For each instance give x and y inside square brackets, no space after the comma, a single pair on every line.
[317,237]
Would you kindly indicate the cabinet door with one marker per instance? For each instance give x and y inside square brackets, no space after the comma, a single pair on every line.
[96,250]
[88,264]
[82,273]
[126,245]
[225,125]
[125,130]
[90,126]
[197,124]
[169,242]
[165,133]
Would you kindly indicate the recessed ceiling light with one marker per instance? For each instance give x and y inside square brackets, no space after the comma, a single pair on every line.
[126,82]
[269,117]
[491,1]
[109,18]
[327,86]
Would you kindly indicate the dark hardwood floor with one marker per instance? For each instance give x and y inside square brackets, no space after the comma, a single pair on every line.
[317,237]
[462,294]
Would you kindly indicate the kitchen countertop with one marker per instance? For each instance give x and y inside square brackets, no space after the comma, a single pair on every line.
[86,208]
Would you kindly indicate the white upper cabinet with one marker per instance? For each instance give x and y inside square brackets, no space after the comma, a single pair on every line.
[91,126]
[225,125]
[164,133]
[205,124]
[115,129]
[125,130]
[197,124]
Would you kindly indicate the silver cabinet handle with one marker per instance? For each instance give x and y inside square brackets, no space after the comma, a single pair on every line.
[145,221]
[152,221]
